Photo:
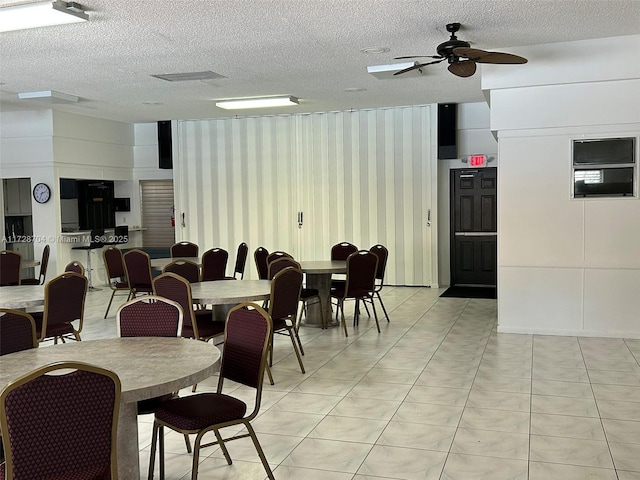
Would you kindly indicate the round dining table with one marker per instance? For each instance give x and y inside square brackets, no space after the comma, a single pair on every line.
[21,296]
[147,367]
[226,292]
[318,275]
[222,295]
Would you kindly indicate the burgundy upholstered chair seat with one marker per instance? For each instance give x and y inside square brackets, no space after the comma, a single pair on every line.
[199,411]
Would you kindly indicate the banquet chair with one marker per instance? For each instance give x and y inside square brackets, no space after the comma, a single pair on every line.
[10,266]
[61,423]
[241,261]
[17,331]
[116,275]
[151,316]
[137,267]
[96,241]
[359,285]
[74,267]
[283,308]
[306,294]
[341,251]
[246,343]
[64,298]
[44,263]
[184,249]
[382,253]
[214,264]
[260,257]
[187,269]
[199,324]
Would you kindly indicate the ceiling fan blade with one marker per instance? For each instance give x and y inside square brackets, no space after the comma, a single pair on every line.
[416,66]
[417,56]
[464,68]
[482,56]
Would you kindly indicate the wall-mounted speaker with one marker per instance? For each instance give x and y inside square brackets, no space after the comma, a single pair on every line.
[165,155]
[447,131]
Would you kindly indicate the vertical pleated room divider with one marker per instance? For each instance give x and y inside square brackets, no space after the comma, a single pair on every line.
[365,176]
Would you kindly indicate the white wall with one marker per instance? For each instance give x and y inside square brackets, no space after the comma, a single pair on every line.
[48,145]
[565,266]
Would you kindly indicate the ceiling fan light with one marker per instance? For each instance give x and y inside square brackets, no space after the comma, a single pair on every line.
[257,102]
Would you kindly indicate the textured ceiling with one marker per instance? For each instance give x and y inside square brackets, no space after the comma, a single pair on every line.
[305,48]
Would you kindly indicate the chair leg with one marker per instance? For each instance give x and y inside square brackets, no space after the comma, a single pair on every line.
[109,306]
[295,348]
[187,443]
[375,315]
[223,447]
[366,309]
[382,305]
[152,454]
[341,309]
[256,443]
[196,456]
[268,369]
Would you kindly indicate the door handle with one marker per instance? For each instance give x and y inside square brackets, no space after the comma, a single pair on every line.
[428,217]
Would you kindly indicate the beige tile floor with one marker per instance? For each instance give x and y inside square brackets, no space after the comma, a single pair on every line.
[438,394]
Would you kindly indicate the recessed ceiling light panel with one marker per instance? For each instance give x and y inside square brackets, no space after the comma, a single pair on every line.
[257,102]
[40,14]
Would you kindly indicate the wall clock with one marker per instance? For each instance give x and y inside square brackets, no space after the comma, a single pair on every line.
[41,193]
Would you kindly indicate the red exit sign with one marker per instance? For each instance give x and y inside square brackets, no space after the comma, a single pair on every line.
[477,160]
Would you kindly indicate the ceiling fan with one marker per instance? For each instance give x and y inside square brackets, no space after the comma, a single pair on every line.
[461,57]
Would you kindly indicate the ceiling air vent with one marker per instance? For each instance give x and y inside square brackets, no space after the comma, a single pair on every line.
[189,76]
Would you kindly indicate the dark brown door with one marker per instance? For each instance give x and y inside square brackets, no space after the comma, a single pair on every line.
[473,227]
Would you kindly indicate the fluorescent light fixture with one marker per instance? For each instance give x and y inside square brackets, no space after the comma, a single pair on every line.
[385,72]
[257,102]
[40,14]
[49,96]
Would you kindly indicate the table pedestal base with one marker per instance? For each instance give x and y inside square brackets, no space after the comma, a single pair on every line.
[128,450]
[322,283]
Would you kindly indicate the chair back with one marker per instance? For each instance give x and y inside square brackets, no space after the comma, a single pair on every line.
[62,425]
[241,260]
[361,273]
[17,331]
[190,271]
[214,264]
[64,298]
[114,263]
[176,288]
[184,249]
[280,264]
[75,267]
[149,316]
[10,266]
[246,342]
[285,294]
[382,254]
[260,257]
[44,263]
[137,265]
[341,251]
[273,256]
